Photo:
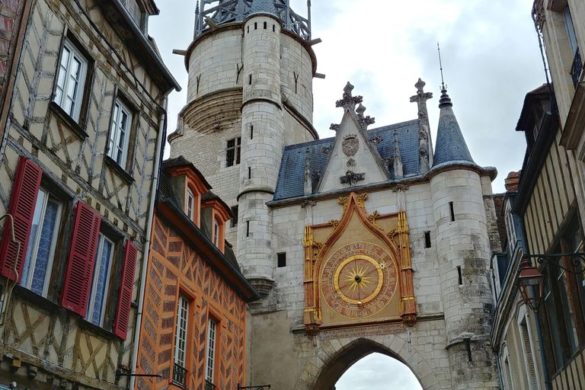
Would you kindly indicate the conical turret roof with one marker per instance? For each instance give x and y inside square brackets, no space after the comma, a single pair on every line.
[450,146]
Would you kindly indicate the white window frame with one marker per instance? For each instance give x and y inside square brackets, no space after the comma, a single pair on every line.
[211,349]
[190,204]
[216,230]
[31,257]
[119,137]
[92,300]
[69,54]
[181,331]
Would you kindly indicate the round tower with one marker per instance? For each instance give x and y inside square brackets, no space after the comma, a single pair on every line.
[463,255]
[250,93]
[262,141]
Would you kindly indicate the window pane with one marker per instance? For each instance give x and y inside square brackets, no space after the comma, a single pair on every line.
[119,133]
[181,335]
[101,279]
[211,350]
[71,77]
[46,246]
[33,239]
[42,242]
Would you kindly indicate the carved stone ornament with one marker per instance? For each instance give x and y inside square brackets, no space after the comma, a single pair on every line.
[350,145]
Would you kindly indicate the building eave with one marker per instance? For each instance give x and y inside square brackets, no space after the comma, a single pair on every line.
[209,252]
[138,42]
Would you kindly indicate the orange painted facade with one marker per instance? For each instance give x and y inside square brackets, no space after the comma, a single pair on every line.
[184,262]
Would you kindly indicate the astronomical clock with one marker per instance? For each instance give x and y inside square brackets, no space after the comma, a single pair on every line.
[358,269]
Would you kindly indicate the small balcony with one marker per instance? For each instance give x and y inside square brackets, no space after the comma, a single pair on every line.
[576,68]
[179,375]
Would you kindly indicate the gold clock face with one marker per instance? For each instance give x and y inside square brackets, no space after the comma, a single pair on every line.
[358,280]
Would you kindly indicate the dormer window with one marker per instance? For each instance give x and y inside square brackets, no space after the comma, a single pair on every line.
[136,13]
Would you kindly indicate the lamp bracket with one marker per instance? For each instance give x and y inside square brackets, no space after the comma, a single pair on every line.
[575,261]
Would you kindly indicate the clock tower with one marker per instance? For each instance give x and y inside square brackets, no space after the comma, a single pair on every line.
[368,241]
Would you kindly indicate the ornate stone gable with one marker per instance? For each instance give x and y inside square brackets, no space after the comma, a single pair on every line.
[353,160]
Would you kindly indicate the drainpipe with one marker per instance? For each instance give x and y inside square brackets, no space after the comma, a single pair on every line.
[153,193]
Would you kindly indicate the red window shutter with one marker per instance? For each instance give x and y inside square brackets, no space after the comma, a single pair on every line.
[80,264]
[125,291]
[22,207]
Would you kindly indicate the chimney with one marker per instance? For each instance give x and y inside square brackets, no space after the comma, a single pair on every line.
[512,181]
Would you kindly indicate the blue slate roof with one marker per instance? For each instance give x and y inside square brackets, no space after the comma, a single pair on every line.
[291,178]
[450,146]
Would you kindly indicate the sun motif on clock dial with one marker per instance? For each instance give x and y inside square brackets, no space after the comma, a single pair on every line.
[358,280]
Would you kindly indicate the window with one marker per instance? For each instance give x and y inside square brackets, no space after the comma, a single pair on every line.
[570,30]
[526,344]
[119,133]
[41,245]
[562,316]
[190,204]
[576,64]
[233,151]
[281,259]
[180,372]
[216,228]
[101,280]
[234,221]
[211,346]
[427,239]
[71,80]
[452,211]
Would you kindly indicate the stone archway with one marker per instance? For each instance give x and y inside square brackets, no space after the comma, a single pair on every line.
[347,356]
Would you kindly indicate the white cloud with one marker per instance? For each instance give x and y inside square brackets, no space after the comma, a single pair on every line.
[378,372]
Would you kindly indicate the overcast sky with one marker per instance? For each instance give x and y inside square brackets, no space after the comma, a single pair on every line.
[490,58]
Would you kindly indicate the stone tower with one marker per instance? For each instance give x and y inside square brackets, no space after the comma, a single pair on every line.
[250,68]
[368,241]
[463,250]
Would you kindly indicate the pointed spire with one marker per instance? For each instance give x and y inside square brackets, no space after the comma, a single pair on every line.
[451,146]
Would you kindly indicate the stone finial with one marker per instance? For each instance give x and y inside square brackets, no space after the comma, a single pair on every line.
[365,121]
[425,147]
[349,101]
[398,168]
[308,188]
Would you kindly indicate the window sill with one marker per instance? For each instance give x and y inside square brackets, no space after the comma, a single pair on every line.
[35,299]
[95,329]
[46,304]
[127,177]
[69,121]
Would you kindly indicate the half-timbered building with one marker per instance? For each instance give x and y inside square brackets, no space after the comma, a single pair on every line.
[78,177]
[193,332]
[551,200]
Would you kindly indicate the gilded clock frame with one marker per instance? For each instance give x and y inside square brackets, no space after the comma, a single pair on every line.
[397,241]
